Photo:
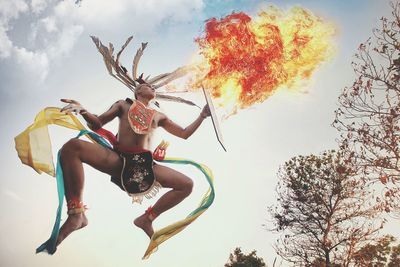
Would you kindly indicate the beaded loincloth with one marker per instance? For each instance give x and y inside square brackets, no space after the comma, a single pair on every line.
[137,176]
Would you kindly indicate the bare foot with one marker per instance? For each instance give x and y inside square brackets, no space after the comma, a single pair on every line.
[73,223]
[145,223]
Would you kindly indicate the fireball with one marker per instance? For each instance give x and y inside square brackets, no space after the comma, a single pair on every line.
[244,59]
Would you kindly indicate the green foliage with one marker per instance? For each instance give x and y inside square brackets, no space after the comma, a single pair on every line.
[238,259]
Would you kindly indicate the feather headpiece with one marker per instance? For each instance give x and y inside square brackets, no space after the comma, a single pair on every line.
[132,80]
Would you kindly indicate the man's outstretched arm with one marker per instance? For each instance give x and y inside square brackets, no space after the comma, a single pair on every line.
[94,122]
[181,132]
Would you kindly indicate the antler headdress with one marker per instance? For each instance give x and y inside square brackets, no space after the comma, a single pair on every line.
[132,81]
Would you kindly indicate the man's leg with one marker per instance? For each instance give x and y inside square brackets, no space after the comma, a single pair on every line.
[181,188]
[73,154]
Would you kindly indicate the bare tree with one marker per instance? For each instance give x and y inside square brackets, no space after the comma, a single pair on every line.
[368,117]
[324,213]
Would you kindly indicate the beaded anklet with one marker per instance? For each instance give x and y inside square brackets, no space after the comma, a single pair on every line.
[75,207]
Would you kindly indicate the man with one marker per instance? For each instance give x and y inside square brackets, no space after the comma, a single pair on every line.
[136,124]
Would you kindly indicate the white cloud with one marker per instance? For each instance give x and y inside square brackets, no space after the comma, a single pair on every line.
[38,6]
[34,63]
[10,9]
[5,43]
[49,24]
[65,41]
[91,11]
[57,25]
[58,37]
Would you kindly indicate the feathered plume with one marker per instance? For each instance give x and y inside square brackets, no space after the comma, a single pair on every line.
[120,73]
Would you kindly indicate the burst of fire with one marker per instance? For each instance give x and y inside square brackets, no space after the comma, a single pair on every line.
[245,59]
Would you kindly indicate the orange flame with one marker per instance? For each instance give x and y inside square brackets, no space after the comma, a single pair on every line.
[245,59]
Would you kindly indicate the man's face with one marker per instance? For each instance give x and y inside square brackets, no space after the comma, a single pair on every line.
[147,91]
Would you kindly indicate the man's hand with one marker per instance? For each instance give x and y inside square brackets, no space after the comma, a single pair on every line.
[73,106]
[205,112]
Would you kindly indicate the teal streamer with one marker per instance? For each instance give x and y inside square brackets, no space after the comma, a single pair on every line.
[50,245]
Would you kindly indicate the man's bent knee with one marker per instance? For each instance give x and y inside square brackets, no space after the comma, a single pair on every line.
[187,187]
[72,146]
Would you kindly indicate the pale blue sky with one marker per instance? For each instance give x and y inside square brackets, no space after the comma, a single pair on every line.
[46,54]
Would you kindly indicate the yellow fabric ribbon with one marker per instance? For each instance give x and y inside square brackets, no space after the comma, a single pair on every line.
[169,231]
[34,146]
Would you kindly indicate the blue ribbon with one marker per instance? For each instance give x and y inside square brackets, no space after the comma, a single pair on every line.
[50,245]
